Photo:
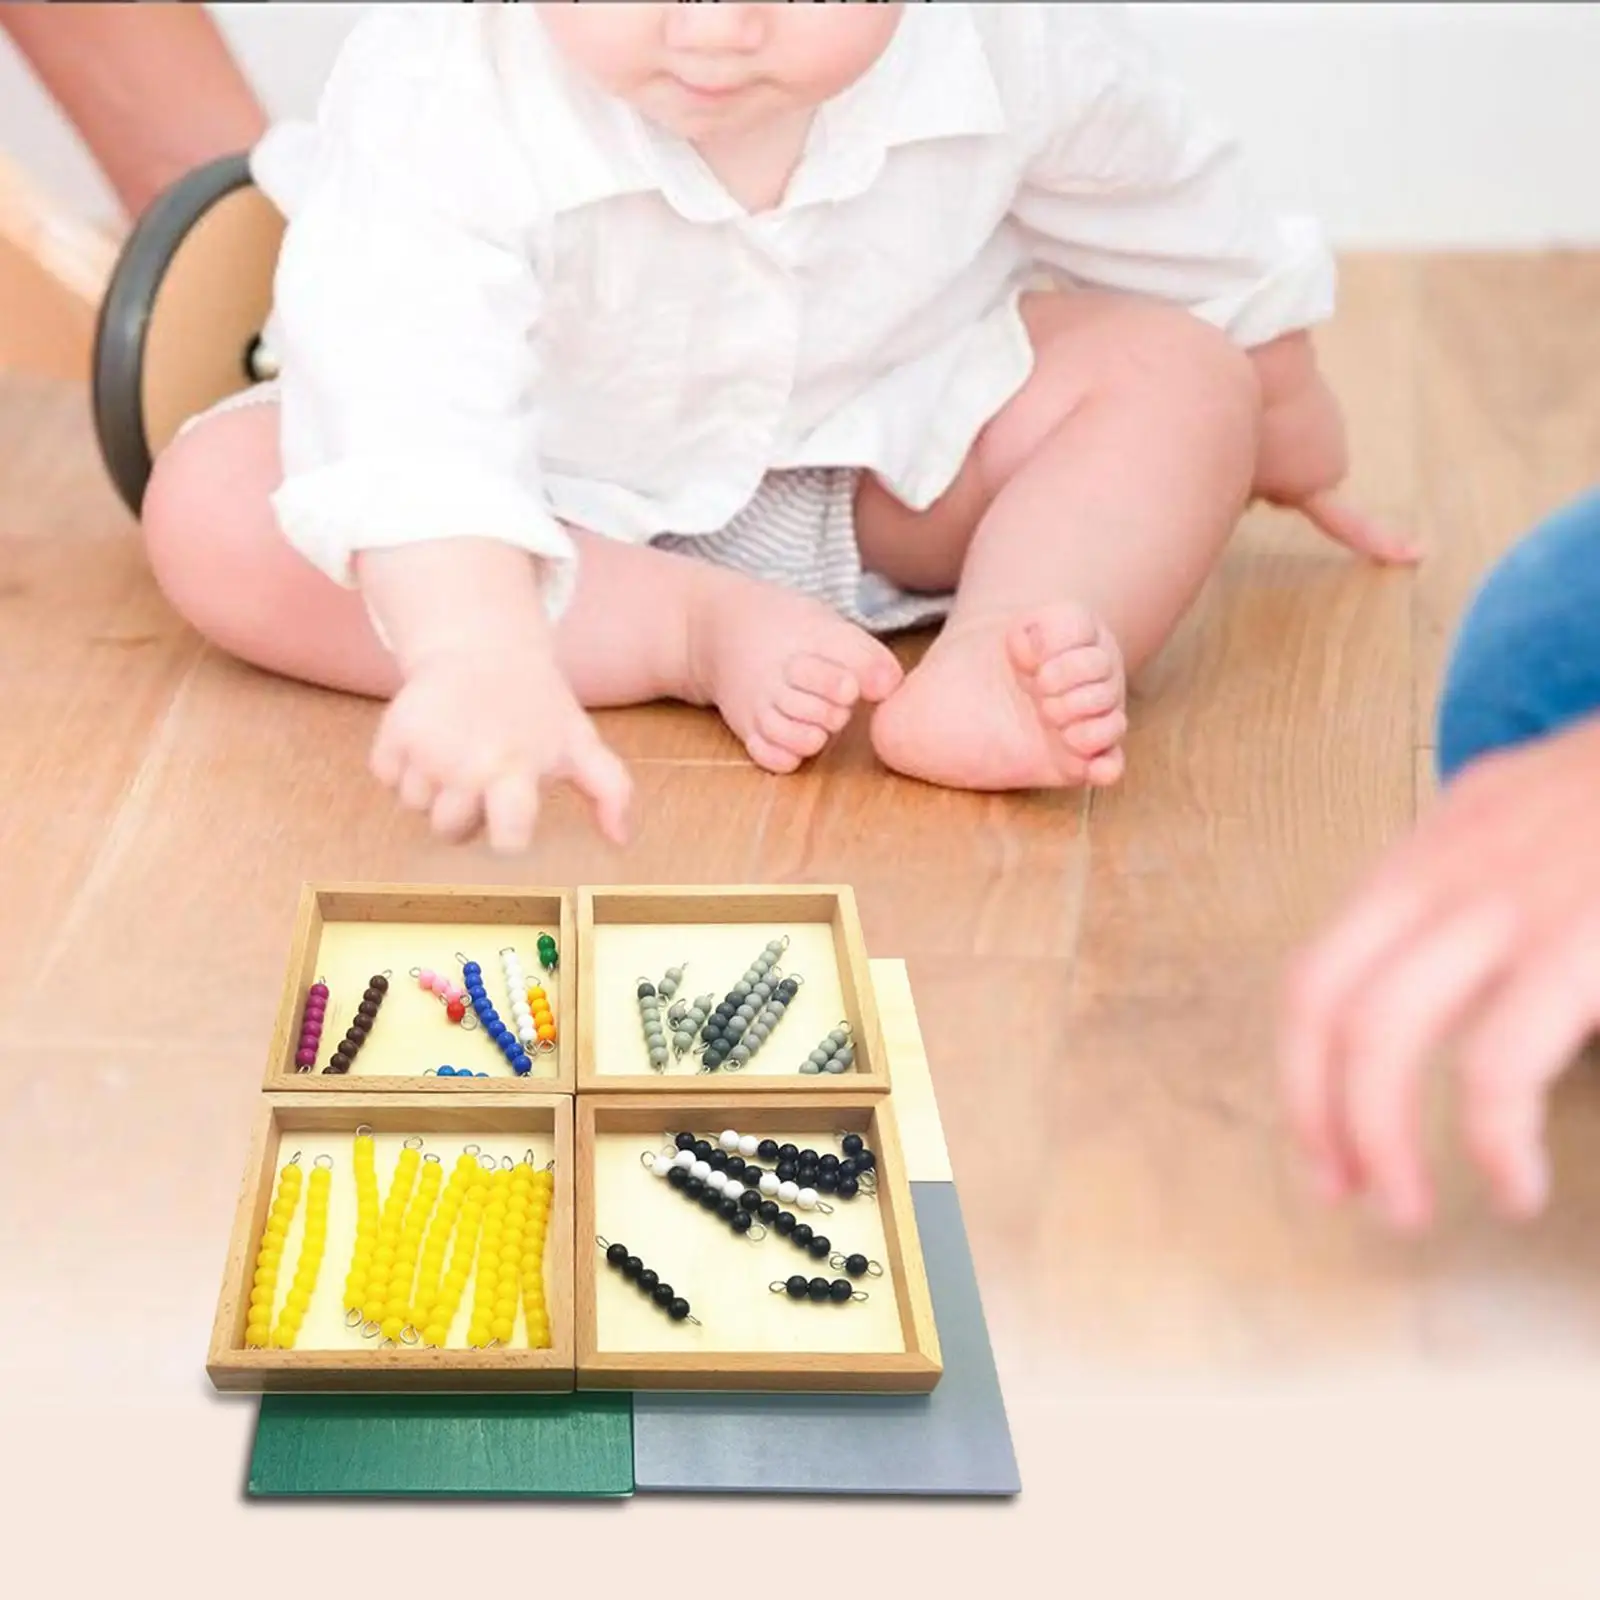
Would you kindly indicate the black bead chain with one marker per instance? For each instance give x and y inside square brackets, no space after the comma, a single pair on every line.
[738,1211]
[647,1281]
[799,1287]
[366,1014]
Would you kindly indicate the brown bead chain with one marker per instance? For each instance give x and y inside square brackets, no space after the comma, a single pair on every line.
[356,1036]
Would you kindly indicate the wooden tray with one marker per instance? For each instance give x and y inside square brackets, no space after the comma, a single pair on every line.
[329,1355]
[629,934]
[344,933]
[747,1337]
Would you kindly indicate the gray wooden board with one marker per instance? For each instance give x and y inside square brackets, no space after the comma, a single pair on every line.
[955,1441]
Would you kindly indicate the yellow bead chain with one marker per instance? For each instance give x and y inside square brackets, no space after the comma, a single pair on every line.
[397,1311]
[486,1286]
[544,1022]
[504,1324]
[363,1160]
[313,1246]
[264,1287]
[375,1312]
[536,1314]
[443,1314]
[430,1273]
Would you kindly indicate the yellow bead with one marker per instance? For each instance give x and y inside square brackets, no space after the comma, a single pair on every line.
[505,1306]
[395,1308]
[502,1328]
[393,1327]
[434,1335]
[299,1300]
[372,1311]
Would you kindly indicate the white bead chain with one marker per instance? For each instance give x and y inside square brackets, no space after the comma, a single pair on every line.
[517,990]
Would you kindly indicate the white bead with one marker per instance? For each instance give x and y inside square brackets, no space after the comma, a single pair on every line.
[749,1145]
[700,1170]
[729,1140]
[684,1159]
[787,1192]
[717,1181]
[769,1183]
[661,1166]
[806,1199]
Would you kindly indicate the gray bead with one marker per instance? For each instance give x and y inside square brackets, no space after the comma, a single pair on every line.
[776,947]
[819,1056]
[674,974]
[838,1036]
[736,1026]
[809,1067]
[678,1012]
[654,1036]
[658,1056]
[739,991]
[759,1032]
[740,1053]
[847,1055]
[835,1066]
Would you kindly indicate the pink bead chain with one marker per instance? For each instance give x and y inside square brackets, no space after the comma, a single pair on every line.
[305,1056]
[454,997]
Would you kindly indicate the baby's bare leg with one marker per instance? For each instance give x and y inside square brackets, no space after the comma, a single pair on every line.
[643,625]
[1083,527]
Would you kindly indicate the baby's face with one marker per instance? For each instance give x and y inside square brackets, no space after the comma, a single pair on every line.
[702,70]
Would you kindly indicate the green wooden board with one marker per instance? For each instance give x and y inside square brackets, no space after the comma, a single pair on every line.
[443,1446]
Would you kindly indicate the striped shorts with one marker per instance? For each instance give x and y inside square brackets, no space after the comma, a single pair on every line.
[798,531]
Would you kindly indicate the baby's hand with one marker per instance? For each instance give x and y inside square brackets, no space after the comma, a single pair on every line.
[477,730]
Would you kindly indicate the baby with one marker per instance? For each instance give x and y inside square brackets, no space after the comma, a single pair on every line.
[658,351]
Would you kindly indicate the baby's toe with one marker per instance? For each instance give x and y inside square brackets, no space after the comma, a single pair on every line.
[800,705]
[1094,735]
[1049,632]
[821,679]
[1084,680]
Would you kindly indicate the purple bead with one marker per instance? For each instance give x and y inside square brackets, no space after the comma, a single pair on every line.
[305,1058]
[319,991]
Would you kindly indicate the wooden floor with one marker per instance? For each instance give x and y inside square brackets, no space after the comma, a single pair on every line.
[1096,980]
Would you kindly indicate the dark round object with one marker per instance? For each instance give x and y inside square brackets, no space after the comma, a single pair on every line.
[865,1161]
[727,1209]
[768,1150]
[856,1266]
[852,1144]
[662,1294]
[786,990]
[848,1188]
[715,1056]
[339,1061]
[718,1160]
[786,1171]
[646,990]
[648,1279]
[677,1309]
[352,1036]
[786,1222]
[796,1287]
[694,1188]
[740,1222]
[820,1245]
[828,1162]
[751,1200]
[817,1289]
[827,1182]
[802,1233]
[788,1152]
[380,983]
[709,1198]
[848,1167]
[367,1008]
[737,1167]
[768,1211]
[678,1176]
[809,1158]
[684,1141]
[633,1266]
[839,1290]
[616,1254]
[702,1150]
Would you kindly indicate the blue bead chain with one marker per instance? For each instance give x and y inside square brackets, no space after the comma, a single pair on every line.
[489,1018]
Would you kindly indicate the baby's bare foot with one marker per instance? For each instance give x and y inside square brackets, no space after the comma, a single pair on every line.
[785,672]
[1030,699]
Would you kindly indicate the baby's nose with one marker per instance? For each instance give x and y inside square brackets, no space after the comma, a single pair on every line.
[715,28]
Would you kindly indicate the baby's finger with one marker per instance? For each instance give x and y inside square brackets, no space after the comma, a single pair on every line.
[511,807]
[1408,1011]
[387,761]
[417,789]
[457,814]
[1524,1038]
[1357,531]
[601,775]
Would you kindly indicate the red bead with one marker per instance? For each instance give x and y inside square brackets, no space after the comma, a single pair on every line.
[455,1011]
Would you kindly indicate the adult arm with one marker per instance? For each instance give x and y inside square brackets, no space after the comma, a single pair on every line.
[153,90]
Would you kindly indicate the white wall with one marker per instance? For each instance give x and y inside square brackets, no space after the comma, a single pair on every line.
[1403,125]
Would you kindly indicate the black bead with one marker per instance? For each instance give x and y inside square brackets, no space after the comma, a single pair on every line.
[678,1309]
[633,1266]
[818,1289]
[648,1279]
[646,990]
[694,1188]
[718,1160]
[856,1266]
[820,1245]
[768,1150]
[840,1290]
[828,1162]
[740,1222]
[702,1150]
[786,990]
[786,1222]
[727,1209]
[715,1056]
[827,1182]
[802,1233]
[797,1287]
[684,1141]
[809,1158]
[616,1254]
[662,1294]
[788,1152]
[768,1211]
[851,1144]
[848,1188]
[737,1167]
[750,1199]
[848,1167]
[709,1198]
[786,1171]
[678,1176]
[866,1161]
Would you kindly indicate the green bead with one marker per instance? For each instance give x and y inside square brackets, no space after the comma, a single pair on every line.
[548,958]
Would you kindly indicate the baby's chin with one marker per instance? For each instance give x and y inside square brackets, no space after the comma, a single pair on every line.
[690,116]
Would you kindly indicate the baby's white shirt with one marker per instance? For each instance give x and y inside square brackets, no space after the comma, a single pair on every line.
[506,302]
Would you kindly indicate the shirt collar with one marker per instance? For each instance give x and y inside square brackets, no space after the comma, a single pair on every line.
[932,82]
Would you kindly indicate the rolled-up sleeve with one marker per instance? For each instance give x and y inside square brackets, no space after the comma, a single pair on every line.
[1130,188]
[406,308]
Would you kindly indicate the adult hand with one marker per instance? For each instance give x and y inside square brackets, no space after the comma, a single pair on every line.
[1482,929]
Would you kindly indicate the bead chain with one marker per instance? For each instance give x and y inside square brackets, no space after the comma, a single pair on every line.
[517,992]
[541,1190]
[366,1014]
[263,1289]
[454,998]
[486,1301]
[655,1041]
[758,1030]
[687,1020]
[647,1281]
[429,1298]
[398,1319]
[375,1309]
[316,1006]
[548,958]
[739,1213]
[521,1062]
[313,1246]
[799,1176]
[834,1054]
[801,1288]
[443,1313]
[724,1031]
[544,1022]
[363,1162]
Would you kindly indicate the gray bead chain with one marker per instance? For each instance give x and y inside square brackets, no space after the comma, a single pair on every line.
[752,1025]
[687,1020]
[669,984]
[834,1054]
[655,1037]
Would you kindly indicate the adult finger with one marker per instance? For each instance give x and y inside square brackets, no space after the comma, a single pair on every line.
[1409,1010]
[511,808]
[1356,530]
[1524,1038]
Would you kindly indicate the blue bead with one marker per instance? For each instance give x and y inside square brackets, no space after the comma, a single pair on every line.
[480,1074]
[447,1072]
[471,969]
[522,1061]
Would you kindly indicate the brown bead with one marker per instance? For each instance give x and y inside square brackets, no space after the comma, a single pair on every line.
[380,983]
[361,1027]
[367,1008]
